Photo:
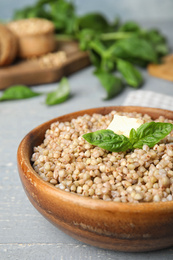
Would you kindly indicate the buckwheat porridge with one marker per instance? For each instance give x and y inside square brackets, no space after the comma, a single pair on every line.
[67,161]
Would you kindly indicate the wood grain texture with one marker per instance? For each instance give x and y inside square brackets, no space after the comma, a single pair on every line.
[163,70]
[126,227]
[29,71]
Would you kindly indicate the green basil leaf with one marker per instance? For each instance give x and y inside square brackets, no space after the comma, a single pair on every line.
[107,65]
[131,75]
[95,58]
[130,26]
[148,133]
[154,36]
[133,136]
[108,140]
[98,47]
[59,11]
[158,41]
[85,37]
[151,133]
[18,92]
[134,47]
[162,49]
[94,21]
[113,85]
[99,50]
[60,95]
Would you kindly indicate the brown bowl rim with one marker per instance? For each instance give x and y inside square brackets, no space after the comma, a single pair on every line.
[75,198]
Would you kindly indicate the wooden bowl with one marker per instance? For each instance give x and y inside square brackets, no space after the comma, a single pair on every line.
[111,225]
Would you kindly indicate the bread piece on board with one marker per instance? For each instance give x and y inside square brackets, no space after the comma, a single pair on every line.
[8,46]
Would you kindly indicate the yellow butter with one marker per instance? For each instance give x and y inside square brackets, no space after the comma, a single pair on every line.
[122,125]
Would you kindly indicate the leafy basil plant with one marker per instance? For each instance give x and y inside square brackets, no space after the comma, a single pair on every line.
[147,134]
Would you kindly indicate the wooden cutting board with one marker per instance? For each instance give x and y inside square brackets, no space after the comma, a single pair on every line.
[163,70]
[30,72]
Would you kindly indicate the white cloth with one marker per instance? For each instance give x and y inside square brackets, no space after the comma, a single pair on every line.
[149,99]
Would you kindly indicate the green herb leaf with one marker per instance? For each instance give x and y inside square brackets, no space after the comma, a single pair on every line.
[85,37]
[18,92]
[59,11]
[130,73]
[60,95]
[94,21]
[98,47]
[130,26]
[148,133]
[133,136]
[95,58]
[108,140]
[151,133]
[134,47]
[113,85]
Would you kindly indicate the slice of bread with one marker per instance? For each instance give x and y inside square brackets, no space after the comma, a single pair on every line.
[8,46]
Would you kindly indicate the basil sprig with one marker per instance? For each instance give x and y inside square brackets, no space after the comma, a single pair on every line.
[149,133]
[114,48]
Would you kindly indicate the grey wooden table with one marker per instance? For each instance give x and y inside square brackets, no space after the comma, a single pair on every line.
[24,233]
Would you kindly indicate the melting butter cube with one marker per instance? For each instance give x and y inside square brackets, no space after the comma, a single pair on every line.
[122,125]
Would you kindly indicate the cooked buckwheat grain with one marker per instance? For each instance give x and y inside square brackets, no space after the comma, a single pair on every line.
[71,164]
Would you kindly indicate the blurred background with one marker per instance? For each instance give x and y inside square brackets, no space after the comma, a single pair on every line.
[126,9]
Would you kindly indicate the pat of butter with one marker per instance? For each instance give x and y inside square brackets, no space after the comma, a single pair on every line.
[122,125]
